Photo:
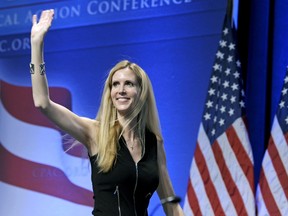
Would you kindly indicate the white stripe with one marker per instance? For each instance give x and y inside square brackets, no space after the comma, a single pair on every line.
[280,143]
[19,201]
[199,188]
[237,174]
[186,208]
[243,137]
[215,174]
[42,145]
[274,184]
[261,207]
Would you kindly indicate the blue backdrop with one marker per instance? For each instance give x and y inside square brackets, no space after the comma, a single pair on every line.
[173,40]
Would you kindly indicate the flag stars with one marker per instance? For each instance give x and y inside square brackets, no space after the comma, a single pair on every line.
[234,87]
[224,97]
[286,120]
[217,67]
[226,84]
[223,109]
[227,71]
[221,122]
[238,63]
[282,104]
[284,91]
[207,116]
[236,74]
[213,131]
[209,104]
[214,79]
[220,55]
[231,112]
[231,46]
[211,91]
[230,58]
[286,79]
[223,43]
[242,104]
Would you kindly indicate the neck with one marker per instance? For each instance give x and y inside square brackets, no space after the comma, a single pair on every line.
[130,132]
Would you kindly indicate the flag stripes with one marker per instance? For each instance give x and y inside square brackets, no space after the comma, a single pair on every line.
[221,180]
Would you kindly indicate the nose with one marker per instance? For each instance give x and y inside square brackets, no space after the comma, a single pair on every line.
[122,90]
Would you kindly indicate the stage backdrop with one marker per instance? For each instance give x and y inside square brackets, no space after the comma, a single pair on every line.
[173,40]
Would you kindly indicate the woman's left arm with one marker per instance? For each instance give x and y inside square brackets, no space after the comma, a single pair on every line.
[165,188]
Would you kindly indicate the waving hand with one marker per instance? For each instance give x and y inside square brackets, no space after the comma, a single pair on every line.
[40,28]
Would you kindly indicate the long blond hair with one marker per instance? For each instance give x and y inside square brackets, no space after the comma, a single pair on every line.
[110,131]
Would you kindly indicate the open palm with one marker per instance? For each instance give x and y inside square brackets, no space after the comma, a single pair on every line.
[39,29]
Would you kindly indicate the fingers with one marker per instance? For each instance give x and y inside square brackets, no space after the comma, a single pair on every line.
[45,15]
[51,14]
[34,19]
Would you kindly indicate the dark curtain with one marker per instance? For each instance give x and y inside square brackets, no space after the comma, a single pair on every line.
[262,34]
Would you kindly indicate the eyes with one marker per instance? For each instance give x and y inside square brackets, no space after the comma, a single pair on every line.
[127,83]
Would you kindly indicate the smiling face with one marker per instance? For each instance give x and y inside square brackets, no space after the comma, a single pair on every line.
[124,90]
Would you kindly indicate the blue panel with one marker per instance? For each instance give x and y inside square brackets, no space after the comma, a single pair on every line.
[175,44]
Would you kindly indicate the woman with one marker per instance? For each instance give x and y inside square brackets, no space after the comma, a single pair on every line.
[124,142]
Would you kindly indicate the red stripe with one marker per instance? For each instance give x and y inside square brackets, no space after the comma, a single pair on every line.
[192,199]
[269,201]
[228,180]
[208,182]
[41,178]
[14,97]
[241,155]
[278,166]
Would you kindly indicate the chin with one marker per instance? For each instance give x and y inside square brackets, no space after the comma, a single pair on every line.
[123,112]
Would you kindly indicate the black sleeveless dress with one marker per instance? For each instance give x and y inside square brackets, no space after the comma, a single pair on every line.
[126,189]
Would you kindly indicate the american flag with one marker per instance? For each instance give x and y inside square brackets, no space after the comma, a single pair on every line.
[272,190]
[38,176]
[221,180]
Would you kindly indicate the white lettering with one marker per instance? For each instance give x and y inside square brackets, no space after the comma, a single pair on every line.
[167,2]
[28,18]
[9,20]
[177,1]
[16,44]
[67,12]
[103,7]
[116,6]
[91,7]
[126,3]
[3,46]
[154,3]
[134,5]
[144,4]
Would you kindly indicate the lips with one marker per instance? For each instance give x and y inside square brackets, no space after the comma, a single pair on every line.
[122,99]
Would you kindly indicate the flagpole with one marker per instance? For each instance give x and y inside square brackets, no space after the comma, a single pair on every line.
[229,11]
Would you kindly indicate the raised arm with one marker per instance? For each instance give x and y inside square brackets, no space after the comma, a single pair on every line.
[78,127]
[165,189]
